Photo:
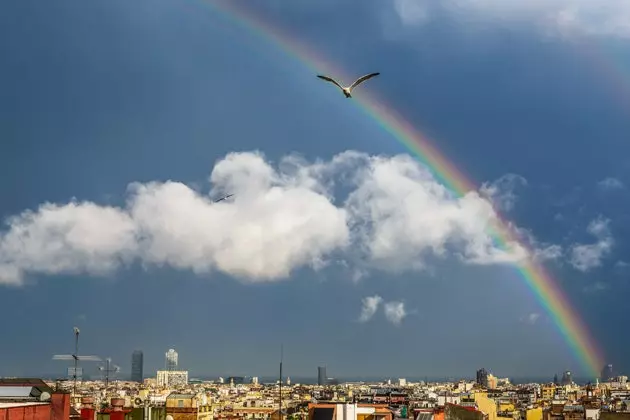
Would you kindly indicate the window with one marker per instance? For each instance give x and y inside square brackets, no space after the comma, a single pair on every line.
[180,403]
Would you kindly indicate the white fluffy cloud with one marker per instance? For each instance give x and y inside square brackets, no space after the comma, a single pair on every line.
[585,257]
[281,218]
[502,192]
[401,214]
[602,17]
[548,252]
[540,251]
[73,238]
[276,223]
[395,312]
[369,307]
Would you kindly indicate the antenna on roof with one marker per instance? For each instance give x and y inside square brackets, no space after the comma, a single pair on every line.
[107,369]
[280,400]
[76,358]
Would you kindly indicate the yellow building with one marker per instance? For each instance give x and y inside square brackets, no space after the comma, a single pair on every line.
[506,406]
[187,407]
[534,414]
[485,404]
[506,410]
[548,392]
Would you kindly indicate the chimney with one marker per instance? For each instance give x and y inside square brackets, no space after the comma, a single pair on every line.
[60,405]
[87,409]
[117,412]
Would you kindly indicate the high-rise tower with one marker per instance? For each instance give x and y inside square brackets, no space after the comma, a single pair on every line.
[137,360]
[321,375]
[607,373]
[567,378]
[482,377]
[171,359]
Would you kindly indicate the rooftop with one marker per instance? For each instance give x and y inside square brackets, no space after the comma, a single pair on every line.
[20,404]
[180,396]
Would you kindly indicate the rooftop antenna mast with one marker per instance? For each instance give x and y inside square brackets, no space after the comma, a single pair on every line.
[107,369]
[280,400]
[76,358]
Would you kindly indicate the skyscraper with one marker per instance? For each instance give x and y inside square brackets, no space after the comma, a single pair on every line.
[607,373]
[171,359]
[137,360]
[566,378]
[482,378]
[321,375]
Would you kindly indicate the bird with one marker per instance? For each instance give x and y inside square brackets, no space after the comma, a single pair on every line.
[224,198]
[347,90]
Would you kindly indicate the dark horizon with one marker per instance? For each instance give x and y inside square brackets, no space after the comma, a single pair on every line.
[306,380]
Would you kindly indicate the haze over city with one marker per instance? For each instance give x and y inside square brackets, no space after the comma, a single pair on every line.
[346,239]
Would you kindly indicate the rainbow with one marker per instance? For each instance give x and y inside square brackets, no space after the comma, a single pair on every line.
[542,284]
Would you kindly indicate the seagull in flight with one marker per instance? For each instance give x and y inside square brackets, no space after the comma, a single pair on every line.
[224,198]
[346,90]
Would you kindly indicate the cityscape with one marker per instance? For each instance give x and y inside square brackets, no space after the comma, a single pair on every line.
[170,394]
[314,209]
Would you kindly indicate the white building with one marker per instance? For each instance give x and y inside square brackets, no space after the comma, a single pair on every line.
[172,378]
[171,359]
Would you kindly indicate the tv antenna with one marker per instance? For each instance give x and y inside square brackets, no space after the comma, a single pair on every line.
[76,358]
[108,369]
[280,399]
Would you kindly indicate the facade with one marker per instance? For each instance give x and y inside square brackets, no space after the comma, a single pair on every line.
[137,360]
[493,381]
[172,378]
[456,412]
[187,407]
[482,378]
[548,392]
[321,375]
[171,359]
[336,411]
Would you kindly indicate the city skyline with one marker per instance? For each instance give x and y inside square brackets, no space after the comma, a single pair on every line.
[321,377]
[172,395]
[352,221]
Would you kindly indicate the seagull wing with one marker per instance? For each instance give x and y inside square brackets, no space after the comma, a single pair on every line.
[224,198]
[362,79]
[331,80]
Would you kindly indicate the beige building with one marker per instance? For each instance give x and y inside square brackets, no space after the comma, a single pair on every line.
[172,378]
[187,407]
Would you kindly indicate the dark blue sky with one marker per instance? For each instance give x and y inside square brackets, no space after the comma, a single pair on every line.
[97,95]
